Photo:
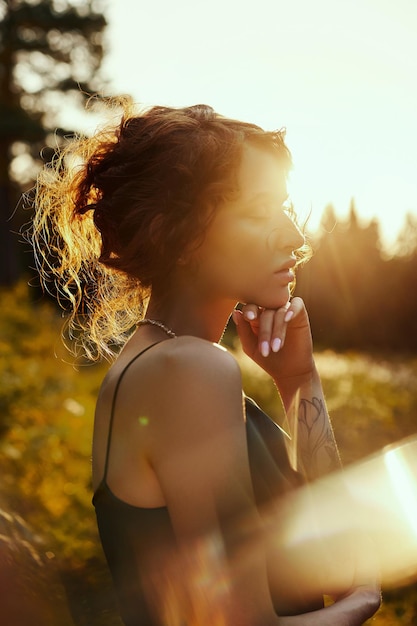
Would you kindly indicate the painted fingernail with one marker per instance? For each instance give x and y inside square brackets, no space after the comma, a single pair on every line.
[276,344]
[250,315]
[265,348]
[288,316]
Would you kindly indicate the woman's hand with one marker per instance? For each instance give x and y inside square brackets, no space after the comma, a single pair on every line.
[277,340]
[357,606]
[280,342]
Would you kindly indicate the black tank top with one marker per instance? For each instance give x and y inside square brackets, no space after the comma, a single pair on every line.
[132,536]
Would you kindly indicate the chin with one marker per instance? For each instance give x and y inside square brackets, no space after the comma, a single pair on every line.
[277,300]
[270,303]
[276,305]
[267,299]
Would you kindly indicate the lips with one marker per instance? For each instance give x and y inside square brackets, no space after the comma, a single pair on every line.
[285,276]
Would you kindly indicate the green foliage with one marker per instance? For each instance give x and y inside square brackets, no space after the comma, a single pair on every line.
[369,394]
[46,423]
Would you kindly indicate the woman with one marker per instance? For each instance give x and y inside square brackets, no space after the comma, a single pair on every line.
[183,213]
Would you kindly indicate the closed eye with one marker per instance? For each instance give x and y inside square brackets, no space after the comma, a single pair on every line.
[268,207]
[288,208]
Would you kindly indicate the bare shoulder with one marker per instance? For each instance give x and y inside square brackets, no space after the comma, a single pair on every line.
[189,355]
[188,377]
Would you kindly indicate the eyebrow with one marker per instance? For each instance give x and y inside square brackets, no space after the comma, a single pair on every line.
[266,195]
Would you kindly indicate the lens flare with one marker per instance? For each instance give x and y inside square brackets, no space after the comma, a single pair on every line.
[354,527]
[403,482]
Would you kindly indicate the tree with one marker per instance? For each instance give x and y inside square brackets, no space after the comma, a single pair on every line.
[50,54]
[403,274]
[340,283]
[406,244]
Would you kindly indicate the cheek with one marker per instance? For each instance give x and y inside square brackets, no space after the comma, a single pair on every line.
[234,252]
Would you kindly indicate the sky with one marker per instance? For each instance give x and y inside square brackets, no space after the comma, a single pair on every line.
[339,75]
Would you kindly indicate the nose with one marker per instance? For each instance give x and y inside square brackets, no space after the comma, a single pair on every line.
[291,235]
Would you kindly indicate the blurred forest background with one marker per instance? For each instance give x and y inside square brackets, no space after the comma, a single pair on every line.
[362,303]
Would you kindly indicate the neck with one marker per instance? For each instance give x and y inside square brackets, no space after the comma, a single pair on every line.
[204,320]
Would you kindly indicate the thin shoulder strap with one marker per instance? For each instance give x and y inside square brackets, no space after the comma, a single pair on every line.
[113,405]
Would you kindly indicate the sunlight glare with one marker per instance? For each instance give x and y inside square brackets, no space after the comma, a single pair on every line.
[350,528]
[359,522]
[404,485]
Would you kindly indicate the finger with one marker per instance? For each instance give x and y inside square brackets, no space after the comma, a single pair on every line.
[283,317]
[251,312]
[247,337]
[266,324]
[279,329]
[295,306]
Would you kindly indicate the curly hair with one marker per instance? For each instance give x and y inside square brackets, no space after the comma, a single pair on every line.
[114,212]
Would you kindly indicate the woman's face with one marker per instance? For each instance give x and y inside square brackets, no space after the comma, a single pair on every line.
[247,254]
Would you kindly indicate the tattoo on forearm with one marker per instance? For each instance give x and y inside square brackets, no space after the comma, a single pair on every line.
[317,446]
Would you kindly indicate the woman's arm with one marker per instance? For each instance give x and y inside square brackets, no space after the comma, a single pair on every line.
[313,448]
[280,342]
[199,455]
[289,361]
[352,610]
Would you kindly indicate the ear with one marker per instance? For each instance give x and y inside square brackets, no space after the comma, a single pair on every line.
[155,231]
[186,257]
[189,255]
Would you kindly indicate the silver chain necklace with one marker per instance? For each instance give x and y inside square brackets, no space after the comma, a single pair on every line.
[168,331]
